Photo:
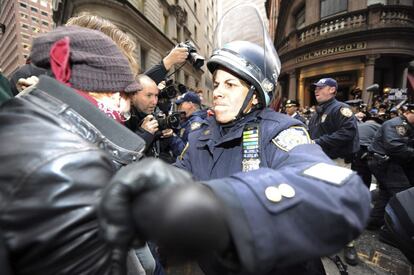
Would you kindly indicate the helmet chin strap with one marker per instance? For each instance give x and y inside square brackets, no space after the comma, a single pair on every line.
[249,96]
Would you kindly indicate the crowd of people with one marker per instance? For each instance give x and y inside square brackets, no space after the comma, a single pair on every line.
[101,175]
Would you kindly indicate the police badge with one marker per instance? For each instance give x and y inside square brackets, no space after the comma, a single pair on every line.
[323,118]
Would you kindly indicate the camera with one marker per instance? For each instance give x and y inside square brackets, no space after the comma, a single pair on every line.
[171,121]
[169,91]
[193,57]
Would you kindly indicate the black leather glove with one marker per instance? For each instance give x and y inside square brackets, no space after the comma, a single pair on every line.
[115,209]
[186,221]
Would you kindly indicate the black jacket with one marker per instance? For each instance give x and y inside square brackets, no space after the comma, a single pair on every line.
[58,153]
[334,128]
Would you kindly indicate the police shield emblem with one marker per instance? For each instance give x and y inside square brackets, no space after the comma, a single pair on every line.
[345,111]
[401,130]
[291,137]
[195,126]
[323,118]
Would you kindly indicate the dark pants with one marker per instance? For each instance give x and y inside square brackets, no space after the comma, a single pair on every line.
[392,178]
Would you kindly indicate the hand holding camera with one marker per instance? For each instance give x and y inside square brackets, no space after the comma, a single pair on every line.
[150,124]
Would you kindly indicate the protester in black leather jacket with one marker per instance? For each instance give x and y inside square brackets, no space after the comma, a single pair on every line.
[61,148]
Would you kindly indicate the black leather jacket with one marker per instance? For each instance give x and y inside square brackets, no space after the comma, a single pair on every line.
[58,153]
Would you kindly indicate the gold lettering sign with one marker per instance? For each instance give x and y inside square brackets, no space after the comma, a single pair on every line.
[333,50]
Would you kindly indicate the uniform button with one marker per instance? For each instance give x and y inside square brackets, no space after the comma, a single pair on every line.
[286,190]
[273,194]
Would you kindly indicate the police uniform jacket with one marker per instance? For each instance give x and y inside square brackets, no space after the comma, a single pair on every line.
[274,212]
[300,118]
[395,138]
[334,127]
[192,123]
[58,153]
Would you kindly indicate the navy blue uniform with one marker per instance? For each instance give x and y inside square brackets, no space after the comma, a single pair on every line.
[192,123]
[392,159]
[366,131]
[275,233]
[334,127]
[300,118]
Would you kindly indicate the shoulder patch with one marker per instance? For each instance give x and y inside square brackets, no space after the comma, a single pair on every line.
[329,173]
[291,137]
[401,130]
[195,126]
[345,111]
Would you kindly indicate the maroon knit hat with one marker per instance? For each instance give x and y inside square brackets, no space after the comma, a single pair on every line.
[97,65]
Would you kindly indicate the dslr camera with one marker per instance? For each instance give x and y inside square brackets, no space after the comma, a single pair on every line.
[193,57]
[171,121]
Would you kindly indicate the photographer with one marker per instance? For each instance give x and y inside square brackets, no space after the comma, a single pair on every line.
[144,122]
[176,56]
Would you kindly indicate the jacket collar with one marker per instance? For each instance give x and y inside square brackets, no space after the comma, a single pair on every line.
[122,144]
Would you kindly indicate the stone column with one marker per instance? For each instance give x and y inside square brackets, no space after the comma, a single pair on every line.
[292,84]
[369,76]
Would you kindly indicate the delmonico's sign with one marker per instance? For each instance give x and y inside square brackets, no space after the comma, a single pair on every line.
[331,51]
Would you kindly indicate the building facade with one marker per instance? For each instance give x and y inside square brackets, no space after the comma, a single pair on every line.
[358,43]
[23,19]
[156,26]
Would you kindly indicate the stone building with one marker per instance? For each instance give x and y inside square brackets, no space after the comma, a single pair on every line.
[356,42]
[157,26]
[23,19]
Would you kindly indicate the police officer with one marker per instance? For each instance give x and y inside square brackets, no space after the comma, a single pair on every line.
[334,127]
[291,107]
[265,168]
[190,104]
[366,132]
[392,159]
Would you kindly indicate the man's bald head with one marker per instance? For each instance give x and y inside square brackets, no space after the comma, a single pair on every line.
[146,100]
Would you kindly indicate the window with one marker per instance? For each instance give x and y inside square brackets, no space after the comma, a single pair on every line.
[22,15]
[331,7]
[44,13]
[25,36]
[23,5]
[165,26]
[44,23]
[300,18]
[33,9]
[195,32]
[25,26]
[35,20]
[143,59]
[195,7]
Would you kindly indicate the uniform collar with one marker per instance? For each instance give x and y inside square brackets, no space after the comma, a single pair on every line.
[214,131]
[325,104]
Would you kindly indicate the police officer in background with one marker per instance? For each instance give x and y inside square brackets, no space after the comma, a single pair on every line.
[291,107]
[265,169]
[334,127]
[190,103]
[392,160]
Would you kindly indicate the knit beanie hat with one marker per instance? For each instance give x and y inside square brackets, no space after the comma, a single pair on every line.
[96,63]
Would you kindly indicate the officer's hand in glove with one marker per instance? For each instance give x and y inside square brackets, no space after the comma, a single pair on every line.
[152,200]
[186,220]
[115,209]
